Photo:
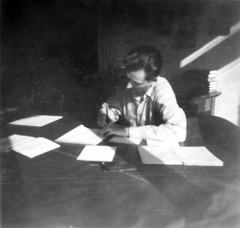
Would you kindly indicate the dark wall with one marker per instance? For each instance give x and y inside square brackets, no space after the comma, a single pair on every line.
[50,47]
[46,46]
[177,28]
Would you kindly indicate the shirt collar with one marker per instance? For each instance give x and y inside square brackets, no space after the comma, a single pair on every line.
[148,93]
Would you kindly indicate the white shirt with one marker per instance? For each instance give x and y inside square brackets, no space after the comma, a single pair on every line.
[155,116]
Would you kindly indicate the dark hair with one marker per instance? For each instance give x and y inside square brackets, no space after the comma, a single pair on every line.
[145,58]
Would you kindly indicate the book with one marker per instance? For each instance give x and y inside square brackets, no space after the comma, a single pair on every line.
[192,156]
[213,72]
[81,135]
[213,87]
[27,145]
[213,79]
[212,76]
[97,153]
[213,83]
[36,121]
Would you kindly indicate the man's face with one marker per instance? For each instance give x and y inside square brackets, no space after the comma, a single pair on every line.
[138,81]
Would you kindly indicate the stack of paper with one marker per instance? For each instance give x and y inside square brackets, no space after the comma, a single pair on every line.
[97,153]
[198,156]
[81,135]
[26,145]
[125,140]
[36,121]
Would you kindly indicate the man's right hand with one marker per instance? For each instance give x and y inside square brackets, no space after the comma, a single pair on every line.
[102,121]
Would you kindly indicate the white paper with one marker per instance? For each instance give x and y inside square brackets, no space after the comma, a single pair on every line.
[97,153]
[7,143]
[36,121]
[81,135]
[161,143]
[35,147]
[197,156]
[125,140]
[158,155]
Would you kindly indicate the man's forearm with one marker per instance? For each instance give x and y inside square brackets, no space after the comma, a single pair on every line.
[164,132]
[175,129]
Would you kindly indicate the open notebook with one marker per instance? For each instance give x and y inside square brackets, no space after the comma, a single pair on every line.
[81,135]
[27,145]
[197,156]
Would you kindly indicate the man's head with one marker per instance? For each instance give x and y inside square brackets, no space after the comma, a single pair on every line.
[145,58]
[142,66]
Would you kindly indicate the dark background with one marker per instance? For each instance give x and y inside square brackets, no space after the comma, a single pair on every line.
[47,47]
[62,56]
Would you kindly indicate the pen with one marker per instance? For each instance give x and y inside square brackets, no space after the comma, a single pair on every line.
[120,170]
[109,121]
[125,170]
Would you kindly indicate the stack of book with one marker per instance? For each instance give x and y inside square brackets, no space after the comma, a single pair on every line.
[212,80]
[200,82]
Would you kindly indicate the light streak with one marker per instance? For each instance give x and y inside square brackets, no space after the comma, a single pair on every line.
[209,46]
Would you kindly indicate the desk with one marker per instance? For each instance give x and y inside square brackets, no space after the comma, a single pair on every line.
[56,190]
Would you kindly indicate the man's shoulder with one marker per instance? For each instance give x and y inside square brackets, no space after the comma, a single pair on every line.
[163,91]
[161,80]
[161,85]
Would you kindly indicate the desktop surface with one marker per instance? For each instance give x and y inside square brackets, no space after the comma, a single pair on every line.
[56,190]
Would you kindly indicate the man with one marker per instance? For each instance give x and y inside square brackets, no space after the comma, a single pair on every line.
[146,108]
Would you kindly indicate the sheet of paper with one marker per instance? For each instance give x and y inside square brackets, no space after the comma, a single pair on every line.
[36,121]
[125,140]
[161,143]
[158,155]
[81,135]
[197,156]
[35,147]
[97,153]
[14,140]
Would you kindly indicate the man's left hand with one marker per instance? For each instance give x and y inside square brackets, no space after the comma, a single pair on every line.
[114,129]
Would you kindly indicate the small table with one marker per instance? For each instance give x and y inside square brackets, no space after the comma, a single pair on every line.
[206,103]
[198,105]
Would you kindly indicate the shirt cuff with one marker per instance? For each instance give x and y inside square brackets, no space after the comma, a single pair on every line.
[136,132]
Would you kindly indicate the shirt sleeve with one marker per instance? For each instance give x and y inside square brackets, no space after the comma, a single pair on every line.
[174,127]
[111,108]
